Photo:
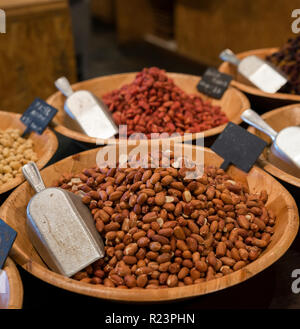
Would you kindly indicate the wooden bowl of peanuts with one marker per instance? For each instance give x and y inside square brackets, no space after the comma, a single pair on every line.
[11,287]
[15,151]
[167,236]
[163,119]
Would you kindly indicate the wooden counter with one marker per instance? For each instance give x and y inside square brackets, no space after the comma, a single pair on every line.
[36,49]
[201,29]
[204,28]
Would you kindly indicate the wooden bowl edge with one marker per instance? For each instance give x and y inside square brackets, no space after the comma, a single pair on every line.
[15,285]
[253,90]
[165,295]
[207,133]
[264,163]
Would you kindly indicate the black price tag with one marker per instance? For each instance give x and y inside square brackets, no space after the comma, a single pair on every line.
[38,116]
[239,147]
[7,238]
[214,83]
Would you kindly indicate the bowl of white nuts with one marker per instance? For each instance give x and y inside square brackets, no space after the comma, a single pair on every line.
[16,151]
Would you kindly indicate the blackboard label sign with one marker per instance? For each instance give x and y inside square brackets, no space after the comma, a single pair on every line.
[38,116]
[7,238]
[214,83]
[239,147]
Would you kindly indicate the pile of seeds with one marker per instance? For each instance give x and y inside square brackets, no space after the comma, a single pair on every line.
[152,103]
[15,152]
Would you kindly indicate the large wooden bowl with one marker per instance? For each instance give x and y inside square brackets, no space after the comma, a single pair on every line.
[44,145]
[279,119]
[13,211]
[12,296]
[244,85]
[233,102]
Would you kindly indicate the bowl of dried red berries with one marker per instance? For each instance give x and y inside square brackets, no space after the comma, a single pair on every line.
[155,104]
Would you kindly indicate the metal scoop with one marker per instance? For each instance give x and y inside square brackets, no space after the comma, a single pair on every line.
[259,72]
[286,143]
[61,227]
[91,114]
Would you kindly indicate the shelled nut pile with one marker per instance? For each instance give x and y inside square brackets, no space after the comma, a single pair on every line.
[162,230]
[15,151]
[152,103]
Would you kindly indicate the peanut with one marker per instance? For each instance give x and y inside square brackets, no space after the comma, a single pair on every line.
[161,230]
[179,233]
[172,280]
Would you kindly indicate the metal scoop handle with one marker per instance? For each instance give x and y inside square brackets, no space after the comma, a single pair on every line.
[255,120]
[227,55]
[64,86]
[33,176]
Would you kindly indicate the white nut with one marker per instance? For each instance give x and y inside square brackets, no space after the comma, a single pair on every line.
[169,199]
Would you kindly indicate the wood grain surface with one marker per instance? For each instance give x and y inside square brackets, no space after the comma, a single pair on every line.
[204,28]
[25,7]
[13,212]
[103,10]
[130,23]
[13,297]
[36,50]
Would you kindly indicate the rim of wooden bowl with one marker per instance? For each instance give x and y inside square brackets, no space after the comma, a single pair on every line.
[127,78]
[247,88]
[15,285]
[33,264]
[52,145]
[263,162]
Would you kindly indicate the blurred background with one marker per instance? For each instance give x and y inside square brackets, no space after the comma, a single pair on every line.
[82,39]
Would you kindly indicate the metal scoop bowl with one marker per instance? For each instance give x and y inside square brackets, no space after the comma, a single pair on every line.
[285,144]
[60,227]
[90,113]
